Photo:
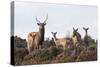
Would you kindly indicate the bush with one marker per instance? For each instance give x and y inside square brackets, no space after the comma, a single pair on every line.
[20,53]
[41,56]
[19,42]
[55,54]
[89,54]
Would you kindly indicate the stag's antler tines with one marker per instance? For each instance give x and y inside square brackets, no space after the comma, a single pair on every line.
[37,19]
[46,18]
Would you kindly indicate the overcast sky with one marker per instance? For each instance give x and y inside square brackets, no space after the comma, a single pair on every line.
[61,18]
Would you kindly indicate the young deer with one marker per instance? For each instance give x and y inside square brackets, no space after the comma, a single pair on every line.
[86,40]
[76,37]
[61,41]
[35,39]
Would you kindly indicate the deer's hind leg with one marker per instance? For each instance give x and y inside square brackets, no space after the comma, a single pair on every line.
[28,47]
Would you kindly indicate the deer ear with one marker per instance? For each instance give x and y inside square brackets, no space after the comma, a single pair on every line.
[73,29]
[38,23]
[88,28]
[44,23]
[76,29]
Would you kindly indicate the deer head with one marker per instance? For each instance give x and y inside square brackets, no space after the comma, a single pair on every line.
[74,31]
[54,34]
[41,24]
[86,29]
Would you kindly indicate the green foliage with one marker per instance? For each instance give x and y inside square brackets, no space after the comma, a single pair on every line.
[19,42]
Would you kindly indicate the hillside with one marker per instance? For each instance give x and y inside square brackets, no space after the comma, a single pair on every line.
[52,54]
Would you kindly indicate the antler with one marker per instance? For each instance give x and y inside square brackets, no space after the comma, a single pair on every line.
[46,19]
[37,20]
[76,29]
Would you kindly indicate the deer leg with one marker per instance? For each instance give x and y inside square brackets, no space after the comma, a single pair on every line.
[31,46]
[40,46]
[28,48]
[37,46]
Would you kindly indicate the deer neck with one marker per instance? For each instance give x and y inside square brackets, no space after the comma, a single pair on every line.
[55,38]
[41,34]
[86,33]
[78,36]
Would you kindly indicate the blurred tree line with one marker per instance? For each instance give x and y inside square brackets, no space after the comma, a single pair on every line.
[19,42]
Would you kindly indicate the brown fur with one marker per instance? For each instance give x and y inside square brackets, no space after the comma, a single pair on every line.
[35,39]
[86,40]
[76,37]
[61,41]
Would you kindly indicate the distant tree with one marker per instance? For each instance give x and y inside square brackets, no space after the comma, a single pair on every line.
[19,42]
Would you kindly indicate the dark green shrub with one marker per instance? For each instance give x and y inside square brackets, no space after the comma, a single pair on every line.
[19,42]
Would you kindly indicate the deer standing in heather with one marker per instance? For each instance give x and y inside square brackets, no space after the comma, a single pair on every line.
[76,37]
[61,41]
[86,40]
[35,39]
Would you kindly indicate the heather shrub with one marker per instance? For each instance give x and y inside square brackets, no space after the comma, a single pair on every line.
[53,54]
[19,55]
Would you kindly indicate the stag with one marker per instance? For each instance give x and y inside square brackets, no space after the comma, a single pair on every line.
[36,39]
[61,41]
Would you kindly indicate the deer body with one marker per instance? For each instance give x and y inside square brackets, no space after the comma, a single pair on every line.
[35,39]
[86,40]
[61,41]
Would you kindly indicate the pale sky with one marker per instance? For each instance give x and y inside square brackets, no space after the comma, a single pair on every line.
[61,18]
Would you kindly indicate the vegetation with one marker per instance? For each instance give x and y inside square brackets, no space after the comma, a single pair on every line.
[19,43]
[53,54]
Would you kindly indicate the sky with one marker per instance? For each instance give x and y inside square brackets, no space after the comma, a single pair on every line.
[61,19]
